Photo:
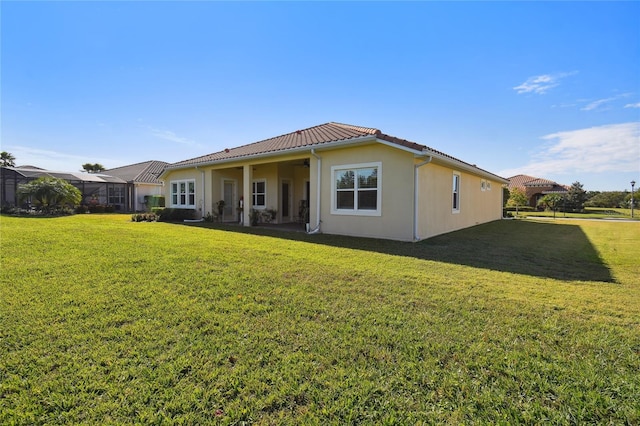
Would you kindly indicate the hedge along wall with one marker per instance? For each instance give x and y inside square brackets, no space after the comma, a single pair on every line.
[154,201]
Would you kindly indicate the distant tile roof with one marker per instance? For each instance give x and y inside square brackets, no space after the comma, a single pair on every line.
[145,172]
[518,181]
[526,181]
[556,189]
[540,182]
[312,137]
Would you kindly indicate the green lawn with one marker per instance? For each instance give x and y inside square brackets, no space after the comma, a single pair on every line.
[589,213]
[105,321]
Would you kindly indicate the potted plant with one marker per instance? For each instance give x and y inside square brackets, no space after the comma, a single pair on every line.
[220,204]
[240,209]
[254,217]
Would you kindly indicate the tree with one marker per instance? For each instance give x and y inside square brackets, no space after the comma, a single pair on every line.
[517,198]
[627,200]
[93,168]
[606,199]
[551,202]
[576,197]
[7,160]
[49,193]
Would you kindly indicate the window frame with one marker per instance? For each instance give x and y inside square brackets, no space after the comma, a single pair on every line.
[455,192]
[176,203]
[255,194]
[355,211]
[115,195]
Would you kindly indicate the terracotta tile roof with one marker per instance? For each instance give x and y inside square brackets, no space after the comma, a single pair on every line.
[518,181]
[313,137]
[145,172]
[540,182]
[526,181]
[556,189]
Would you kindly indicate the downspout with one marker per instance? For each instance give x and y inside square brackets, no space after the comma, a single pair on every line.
[319,180]
[416,193]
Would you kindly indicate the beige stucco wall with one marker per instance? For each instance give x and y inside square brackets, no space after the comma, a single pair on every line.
[273,170]
[395,221]
[142,189]
[397,212]
[201,187]
[435,212]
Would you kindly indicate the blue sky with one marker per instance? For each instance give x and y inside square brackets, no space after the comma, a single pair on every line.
[547,89]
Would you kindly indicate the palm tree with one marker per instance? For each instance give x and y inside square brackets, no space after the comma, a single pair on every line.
[48,193]
[93,168]
[7,160]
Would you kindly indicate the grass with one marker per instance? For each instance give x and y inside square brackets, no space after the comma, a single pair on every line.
[105,321]
[589,213]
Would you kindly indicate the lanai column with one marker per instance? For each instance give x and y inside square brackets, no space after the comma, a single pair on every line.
[247,179]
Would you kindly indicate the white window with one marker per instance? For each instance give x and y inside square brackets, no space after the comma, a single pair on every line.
[183,193]
[483,185]
[259,194]
[356,189]
[455,207]
[488,185]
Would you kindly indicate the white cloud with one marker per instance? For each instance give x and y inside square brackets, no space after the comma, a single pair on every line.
[600,102]
[609,148]
[636,105]
[540,84]
[171,136]
[53,160]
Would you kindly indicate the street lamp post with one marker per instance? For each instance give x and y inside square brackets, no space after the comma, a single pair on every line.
[633,183]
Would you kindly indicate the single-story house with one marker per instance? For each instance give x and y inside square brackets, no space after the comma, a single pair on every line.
[142,180]
[535,188]
[340,179]
[95,187]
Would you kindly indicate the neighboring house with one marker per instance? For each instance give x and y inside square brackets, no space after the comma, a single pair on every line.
[98,188]
[351,180]
[142,179]
[535,188]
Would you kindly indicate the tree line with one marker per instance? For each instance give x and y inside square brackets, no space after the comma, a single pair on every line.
[575,199]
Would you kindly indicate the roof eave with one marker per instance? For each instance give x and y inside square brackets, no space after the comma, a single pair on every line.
[339,143]
[459,164]
[304,148]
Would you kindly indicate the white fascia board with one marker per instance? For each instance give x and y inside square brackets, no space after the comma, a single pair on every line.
[459,164]
[418,152]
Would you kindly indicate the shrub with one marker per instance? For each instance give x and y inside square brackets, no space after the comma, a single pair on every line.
[40,211]
[268,215]
[81,209]
[176,215]
[48,193]
[96,208]
[144,217]
[153,201]
[254,217]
